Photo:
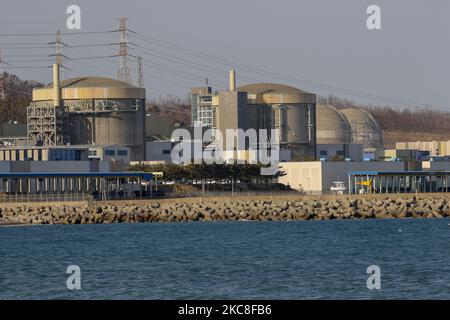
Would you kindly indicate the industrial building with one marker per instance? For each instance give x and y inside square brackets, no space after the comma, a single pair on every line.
[398,181]
[66,153]
[260,106]
[364,128]
[332,126]
[55,166]
[201,107]
[88,111]
[319,176]
[340,152]
[303,125]
[62,186]
[291,110]
[434,148]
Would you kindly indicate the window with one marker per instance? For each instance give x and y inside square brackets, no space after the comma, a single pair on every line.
[92,152]
[122,152]
[323,152]
[110,152]
[340,152]
[166,151]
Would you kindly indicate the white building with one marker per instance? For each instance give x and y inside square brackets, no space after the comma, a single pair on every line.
[319,176]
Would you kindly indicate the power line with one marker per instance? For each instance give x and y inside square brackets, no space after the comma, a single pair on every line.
[27,67]
[185,62]
[25,48]
[22,44]
[183,74]
[91,58]
[52,34]
[90,45]
[260,71]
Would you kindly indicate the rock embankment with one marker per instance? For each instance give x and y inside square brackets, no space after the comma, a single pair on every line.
[321,208]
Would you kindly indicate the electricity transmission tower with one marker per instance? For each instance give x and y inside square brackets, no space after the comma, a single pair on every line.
[123,73]
[140,81]
[58,54]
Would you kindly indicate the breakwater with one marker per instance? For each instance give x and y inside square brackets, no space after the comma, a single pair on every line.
[216,209]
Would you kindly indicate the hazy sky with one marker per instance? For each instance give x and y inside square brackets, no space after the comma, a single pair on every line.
[326,42]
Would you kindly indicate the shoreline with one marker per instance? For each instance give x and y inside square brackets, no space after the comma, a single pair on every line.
[6,223]
[241,208]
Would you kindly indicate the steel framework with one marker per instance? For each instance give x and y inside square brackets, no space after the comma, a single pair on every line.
[47,124]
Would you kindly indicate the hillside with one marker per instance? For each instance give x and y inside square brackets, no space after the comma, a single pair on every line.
[397,125]
[178,110]
[17,98]
[402,125]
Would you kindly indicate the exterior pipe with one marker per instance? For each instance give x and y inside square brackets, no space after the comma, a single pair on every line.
[232,81]
[56,86]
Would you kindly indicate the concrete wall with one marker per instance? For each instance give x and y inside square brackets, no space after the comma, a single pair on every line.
[231,112]
[154,151]
[303,176]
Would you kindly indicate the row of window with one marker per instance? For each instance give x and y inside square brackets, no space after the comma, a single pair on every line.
[113,152]
[325,152]
[109,152]
[15,155]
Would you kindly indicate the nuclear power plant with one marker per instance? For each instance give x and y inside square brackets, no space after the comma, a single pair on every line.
[288,109]
[88,111]
[101,125]
[365,129]
[332,126]
[260,106]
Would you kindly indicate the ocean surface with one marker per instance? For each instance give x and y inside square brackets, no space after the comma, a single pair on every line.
[228,260]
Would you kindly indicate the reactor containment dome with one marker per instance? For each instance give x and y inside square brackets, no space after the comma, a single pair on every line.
[291,110]
[99,111]
[332,126]
[365,129]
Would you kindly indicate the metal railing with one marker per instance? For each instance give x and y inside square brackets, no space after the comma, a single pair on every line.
[44,197]
[228,194]
[87,197]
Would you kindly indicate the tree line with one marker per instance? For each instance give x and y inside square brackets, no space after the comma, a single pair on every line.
[17,98]
[412,119]
[224,173]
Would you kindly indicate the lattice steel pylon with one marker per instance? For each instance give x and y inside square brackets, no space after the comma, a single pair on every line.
[123,73]
[140,72]
[58,54]
[2,89]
